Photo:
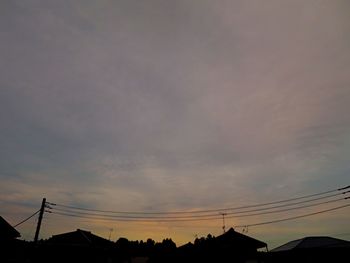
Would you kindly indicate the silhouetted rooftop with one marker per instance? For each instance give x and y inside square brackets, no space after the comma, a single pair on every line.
[7,231]
[79,237]
[312,242]
[239,240]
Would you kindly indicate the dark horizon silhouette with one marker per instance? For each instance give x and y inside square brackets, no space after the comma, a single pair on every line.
[84,246]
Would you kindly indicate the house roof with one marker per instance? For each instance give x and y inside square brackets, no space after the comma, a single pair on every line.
[79,237]
[312,242]
[188,245]
[239,240]
[7,231]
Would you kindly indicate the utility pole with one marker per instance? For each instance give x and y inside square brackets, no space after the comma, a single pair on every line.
[42,210]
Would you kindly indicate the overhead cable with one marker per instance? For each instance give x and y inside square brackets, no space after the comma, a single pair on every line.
[178,219]
[210,213]
[294,217]
[26,219]
[204,211]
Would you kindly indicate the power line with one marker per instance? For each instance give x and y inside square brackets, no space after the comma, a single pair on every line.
[290,204]
[165,219]
[193,217]
[95,214]
[26,219]
[201,211]
[210,214]
[203,219]
[288,209]
[294,217]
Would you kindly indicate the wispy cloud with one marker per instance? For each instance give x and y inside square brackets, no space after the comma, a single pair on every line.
[172,105]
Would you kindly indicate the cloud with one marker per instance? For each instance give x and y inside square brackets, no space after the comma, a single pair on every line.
[173,105]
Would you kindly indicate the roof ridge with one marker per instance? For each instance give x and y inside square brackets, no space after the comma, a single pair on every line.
[83,233]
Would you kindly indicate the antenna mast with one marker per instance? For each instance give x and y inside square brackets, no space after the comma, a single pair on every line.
[223,222]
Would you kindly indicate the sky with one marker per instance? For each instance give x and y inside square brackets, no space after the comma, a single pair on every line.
[173,106]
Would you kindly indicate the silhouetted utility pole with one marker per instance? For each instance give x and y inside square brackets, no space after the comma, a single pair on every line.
[42,210]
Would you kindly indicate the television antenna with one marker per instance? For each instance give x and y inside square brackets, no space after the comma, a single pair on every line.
[110,233]
[223,222]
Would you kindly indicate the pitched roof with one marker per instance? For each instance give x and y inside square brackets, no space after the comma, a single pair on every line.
[313,242]
[7,231]
[188,245]
[239,240]
[79,237]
